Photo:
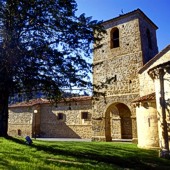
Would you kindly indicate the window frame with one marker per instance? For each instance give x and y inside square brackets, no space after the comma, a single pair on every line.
[84,115]
[60,116]
[114,38]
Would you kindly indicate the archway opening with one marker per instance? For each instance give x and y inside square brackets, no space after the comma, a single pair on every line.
[118,123]
[126,121]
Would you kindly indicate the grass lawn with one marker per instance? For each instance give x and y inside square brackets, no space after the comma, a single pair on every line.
[16,155]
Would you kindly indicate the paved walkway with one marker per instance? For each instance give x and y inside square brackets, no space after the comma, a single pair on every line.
[64,139]
[80,140]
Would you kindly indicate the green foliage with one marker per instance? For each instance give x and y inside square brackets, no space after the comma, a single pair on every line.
[44,46]
[77,155]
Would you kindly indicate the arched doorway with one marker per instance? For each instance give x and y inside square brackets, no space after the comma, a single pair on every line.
[118,123]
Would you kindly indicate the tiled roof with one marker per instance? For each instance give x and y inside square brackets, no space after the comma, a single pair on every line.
[145,98]
[30,103]
[81,98]
[45,101]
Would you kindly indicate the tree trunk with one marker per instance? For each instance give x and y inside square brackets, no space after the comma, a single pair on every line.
[3,112]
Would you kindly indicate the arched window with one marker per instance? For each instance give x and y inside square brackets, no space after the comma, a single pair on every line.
[114,38]
[148,34]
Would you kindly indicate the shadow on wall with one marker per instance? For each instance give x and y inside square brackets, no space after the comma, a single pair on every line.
[55,126]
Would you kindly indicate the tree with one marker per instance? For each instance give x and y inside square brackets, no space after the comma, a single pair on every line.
[44,47]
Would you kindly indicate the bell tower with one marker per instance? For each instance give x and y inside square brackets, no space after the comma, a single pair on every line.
[129,43]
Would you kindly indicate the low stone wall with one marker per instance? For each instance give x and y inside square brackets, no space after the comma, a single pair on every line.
[84,131]
[19,130]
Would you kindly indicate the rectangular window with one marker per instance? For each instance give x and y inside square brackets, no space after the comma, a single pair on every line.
[84,115]
[60,116]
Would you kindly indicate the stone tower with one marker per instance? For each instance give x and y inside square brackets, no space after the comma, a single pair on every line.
[130,42]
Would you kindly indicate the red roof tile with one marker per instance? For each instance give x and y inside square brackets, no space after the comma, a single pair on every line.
[45,101]
[30,103]
[145,98]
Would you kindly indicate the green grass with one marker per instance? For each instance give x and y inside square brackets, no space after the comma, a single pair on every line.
[16,155]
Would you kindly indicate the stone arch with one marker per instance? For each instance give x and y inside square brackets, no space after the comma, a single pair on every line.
[118,123]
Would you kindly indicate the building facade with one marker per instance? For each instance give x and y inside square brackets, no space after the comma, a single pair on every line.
[131,92]
[130,42]
[40,118]
[153,107]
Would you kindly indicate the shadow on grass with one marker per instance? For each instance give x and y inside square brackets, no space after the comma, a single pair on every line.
[133,160]
[20,141]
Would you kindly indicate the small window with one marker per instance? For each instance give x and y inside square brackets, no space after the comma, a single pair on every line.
[19,132]
[60,116]
[148,34]
[114,38]
[84,115]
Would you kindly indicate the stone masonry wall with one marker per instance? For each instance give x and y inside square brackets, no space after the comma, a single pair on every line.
[121,66]
[148,52]
[46,123]
[100,106]
[20,119]
[72,126]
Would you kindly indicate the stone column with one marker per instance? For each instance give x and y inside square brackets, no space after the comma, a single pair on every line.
[98,120]
[134,124]
[164,134]
[98,128]
[158,75]
[134,130]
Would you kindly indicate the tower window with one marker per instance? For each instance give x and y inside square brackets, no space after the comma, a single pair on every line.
[114,38]
[148,34]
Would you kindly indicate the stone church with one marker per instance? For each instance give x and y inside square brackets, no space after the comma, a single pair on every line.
[132,81]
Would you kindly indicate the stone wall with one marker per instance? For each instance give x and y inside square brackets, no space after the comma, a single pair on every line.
[20,119]
[72,125]
[161,76]
[42,120]
[147,124]
[100,108]
[149,51]
[122,63]
[154,77]
[116,69]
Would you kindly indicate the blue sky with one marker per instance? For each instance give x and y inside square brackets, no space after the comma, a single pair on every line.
[157,10]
